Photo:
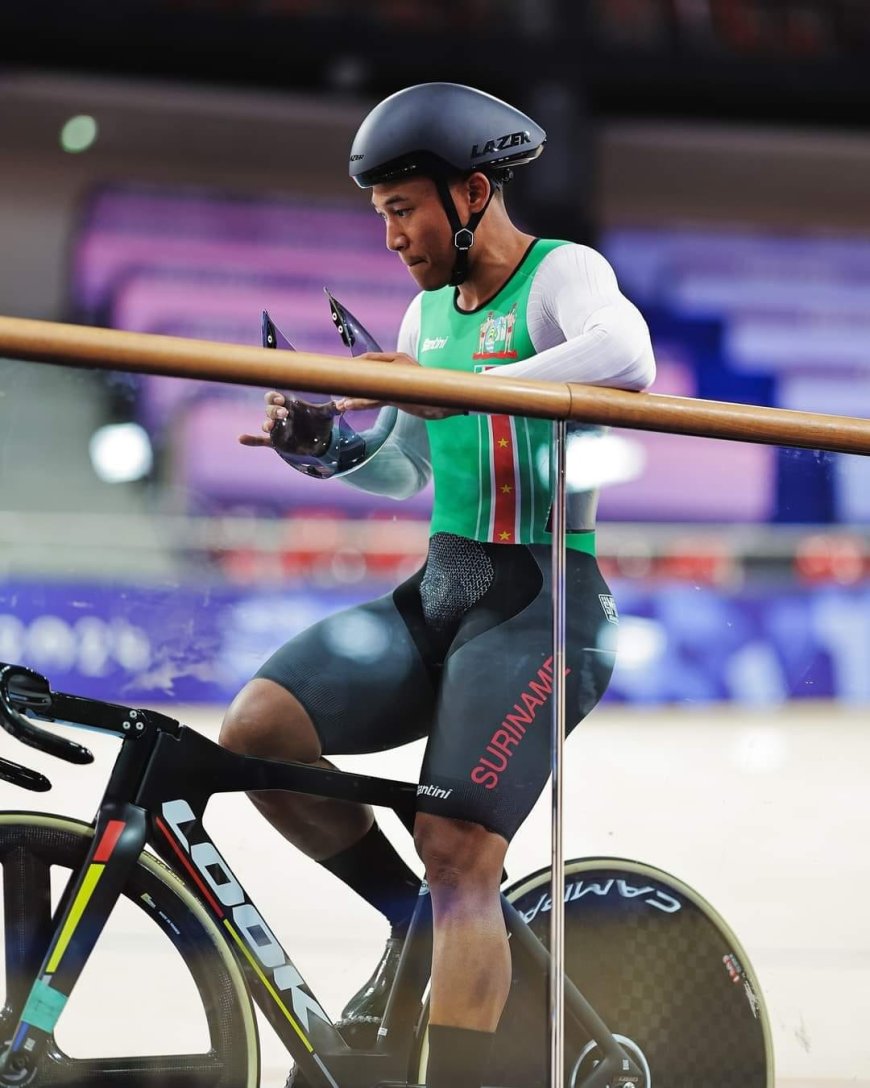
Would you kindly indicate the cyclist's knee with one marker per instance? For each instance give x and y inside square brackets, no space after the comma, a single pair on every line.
[457,853]
[266,720]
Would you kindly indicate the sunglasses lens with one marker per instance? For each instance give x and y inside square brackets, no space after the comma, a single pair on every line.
[272,335]
[353,334]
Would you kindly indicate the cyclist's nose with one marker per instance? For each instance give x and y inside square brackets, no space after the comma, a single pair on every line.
[397,240]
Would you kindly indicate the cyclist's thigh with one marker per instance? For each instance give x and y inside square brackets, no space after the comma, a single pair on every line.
[360,677]
[488,756]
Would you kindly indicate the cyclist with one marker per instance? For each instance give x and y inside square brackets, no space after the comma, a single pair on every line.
[461,652]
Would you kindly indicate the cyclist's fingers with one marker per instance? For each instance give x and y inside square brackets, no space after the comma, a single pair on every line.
[349,404]
[254,440]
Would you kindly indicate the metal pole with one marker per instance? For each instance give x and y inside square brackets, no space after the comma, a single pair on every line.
[557,894]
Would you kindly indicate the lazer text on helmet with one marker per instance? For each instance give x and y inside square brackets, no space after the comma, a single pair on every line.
[501,143]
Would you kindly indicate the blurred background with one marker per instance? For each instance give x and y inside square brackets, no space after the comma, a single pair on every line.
[177,166]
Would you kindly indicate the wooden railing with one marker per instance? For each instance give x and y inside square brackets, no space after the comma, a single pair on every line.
[109,349]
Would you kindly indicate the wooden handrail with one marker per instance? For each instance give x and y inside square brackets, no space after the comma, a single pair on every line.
[145,353]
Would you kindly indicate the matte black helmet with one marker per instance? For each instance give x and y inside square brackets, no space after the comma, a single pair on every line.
[439,130]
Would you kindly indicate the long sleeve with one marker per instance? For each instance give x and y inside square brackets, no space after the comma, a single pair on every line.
[582,327]
[401,467]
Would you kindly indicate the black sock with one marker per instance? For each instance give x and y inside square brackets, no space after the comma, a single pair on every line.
[374,870]
[458,1057]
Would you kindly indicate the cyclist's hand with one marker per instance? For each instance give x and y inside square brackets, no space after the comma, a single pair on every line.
[295,426]
[398,358]
[275,409]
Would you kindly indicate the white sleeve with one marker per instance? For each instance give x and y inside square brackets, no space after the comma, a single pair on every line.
[401,467]
[582,327]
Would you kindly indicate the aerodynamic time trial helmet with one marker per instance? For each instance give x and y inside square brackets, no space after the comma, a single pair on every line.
[443,130]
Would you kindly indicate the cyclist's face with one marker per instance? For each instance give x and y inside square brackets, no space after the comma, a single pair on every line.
[417,229]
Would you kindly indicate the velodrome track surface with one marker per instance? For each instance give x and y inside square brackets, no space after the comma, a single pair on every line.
[764,812]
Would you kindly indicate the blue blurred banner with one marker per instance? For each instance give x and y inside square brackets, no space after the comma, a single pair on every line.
[682,643]
[679,643]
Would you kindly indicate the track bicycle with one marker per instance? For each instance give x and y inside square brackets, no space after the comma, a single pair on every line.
[659,993]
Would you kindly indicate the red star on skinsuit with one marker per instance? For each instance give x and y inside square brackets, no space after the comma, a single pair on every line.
[504,535]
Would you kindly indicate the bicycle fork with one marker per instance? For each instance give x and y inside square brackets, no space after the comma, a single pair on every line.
[119,838]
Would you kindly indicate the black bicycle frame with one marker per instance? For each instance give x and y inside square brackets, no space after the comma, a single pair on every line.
[176,809]
[152,797]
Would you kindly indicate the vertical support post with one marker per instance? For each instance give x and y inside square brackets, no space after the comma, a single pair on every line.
[557,895]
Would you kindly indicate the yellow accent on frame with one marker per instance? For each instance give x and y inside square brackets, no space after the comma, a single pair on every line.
[272,991]
[91,879]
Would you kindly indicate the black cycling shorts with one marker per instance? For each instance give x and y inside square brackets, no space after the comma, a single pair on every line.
[460,653]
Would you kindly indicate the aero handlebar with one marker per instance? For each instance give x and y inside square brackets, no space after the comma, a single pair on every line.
[23,691]
[22,776]
[29,690]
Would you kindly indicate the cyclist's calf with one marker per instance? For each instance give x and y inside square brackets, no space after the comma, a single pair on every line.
[471,961]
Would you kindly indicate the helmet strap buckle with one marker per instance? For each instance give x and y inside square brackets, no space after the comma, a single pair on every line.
[463,236]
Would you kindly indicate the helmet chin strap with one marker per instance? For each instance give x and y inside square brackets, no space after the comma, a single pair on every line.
[463,236]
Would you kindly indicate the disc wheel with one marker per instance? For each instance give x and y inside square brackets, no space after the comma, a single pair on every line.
[32,847]
[659,966]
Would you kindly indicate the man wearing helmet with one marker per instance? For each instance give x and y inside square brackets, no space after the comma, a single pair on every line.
[462,653]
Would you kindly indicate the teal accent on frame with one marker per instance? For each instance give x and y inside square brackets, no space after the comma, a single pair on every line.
[44,1006]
